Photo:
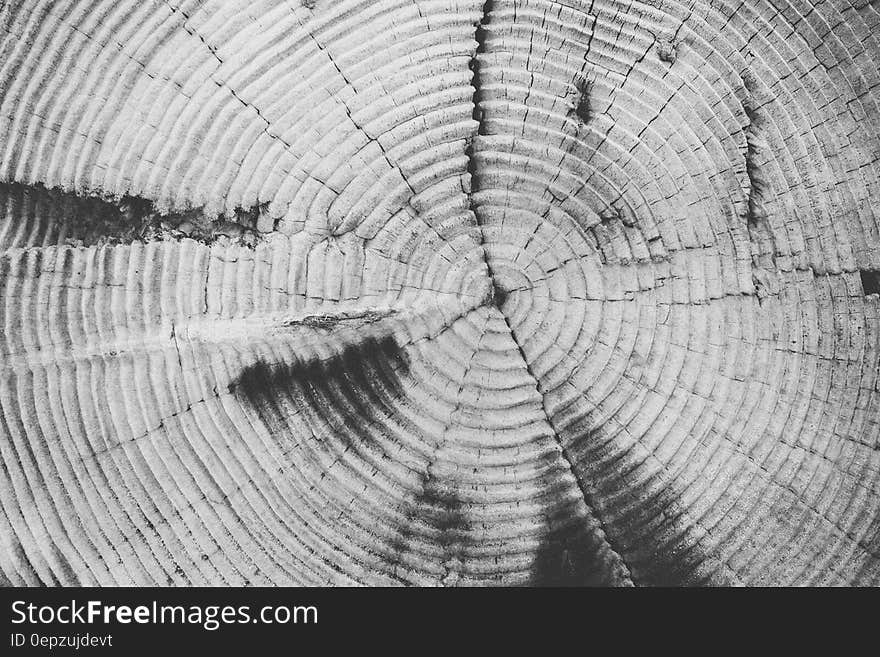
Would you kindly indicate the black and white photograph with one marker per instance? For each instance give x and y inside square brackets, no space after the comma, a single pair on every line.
[436,294]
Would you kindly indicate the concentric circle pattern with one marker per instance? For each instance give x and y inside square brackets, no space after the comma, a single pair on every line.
[440,292]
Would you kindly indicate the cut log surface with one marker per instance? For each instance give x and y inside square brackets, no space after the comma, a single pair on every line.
[439,292]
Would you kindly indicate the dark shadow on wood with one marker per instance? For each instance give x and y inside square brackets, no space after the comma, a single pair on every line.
[870,281]
[352,390]
[571,553]
[636,520]
[438,506]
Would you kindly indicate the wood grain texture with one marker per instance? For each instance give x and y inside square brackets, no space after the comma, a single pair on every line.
[439,292]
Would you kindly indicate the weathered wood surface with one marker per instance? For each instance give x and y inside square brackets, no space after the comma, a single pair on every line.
[439,292]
